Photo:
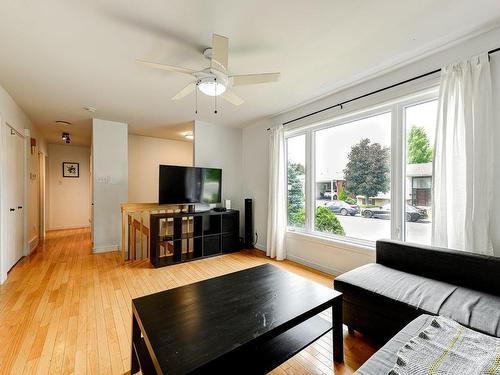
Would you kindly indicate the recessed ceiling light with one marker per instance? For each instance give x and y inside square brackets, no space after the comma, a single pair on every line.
[90,109]
[66,138]
[188,135]
[62,122]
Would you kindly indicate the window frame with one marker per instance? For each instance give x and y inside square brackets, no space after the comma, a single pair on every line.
[287,136]
[396,106]
[428,97]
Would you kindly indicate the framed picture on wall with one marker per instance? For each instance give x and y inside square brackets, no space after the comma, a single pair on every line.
[71,169]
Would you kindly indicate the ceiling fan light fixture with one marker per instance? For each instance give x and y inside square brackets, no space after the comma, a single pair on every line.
[211,88]
[214,80]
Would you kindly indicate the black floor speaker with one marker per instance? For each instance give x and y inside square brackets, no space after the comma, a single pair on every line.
[248,223]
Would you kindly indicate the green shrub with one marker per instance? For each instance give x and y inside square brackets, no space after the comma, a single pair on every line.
[326,221]
[342,194]
[297,217]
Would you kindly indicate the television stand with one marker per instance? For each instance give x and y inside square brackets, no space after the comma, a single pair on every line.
[185,236]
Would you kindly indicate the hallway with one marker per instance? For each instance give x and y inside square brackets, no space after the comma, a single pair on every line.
[66,310]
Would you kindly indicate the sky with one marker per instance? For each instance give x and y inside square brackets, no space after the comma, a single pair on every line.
[334,144]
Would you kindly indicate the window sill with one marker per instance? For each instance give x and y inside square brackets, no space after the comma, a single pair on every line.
[349,245]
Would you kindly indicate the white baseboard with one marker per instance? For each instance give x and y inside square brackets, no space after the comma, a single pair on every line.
[106,248]
[260,247]
[33,243]
[319,267]
[71,226]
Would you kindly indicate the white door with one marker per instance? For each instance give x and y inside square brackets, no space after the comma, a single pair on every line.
[9,210]
[14,194]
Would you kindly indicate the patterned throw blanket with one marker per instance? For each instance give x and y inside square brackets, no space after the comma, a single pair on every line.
[446,347]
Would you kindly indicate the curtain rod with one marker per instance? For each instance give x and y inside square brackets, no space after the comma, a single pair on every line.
[341,104]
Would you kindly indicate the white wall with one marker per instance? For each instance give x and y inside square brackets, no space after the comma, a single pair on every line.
[69,198]
[256,172]
[12,114]
[145,154]
[109,182]
[221,147]
[15,116]
[337,257]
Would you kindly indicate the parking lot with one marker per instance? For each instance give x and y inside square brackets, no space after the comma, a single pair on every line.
[374,229]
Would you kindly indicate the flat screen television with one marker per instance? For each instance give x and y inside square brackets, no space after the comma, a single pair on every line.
[183,185]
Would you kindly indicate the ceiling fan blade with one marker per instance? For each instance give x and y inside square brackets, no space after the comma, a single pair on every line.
[250,79]
[231,97]
[220,50]
[170,68]
[185,91]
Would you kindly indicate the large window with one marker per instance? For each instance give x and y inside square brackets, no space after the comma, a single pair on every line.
[353,179]
[366,175]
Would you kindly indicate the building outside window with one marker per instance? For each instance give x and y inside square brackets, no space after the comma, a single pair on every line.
[421,194]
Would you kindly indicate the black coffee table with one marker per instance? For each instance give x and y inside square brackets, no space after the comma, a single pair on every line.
[249,321]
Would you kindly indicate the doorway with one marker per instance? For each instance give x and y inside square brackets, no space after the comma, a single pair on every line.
[41,195]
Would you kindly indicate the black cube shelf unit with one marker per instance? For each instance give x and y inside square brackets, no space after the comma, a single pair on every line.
[184,236]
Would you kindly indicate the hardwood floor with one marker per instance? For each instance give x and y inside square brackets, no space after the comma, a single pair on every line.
[64,310]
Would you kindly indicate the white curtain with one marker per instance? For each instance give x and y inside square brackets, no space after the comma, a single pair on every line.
[277,213]
[463,161]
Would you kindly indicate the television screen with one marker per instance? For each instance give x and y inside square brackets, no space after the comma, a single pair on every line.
[181,185]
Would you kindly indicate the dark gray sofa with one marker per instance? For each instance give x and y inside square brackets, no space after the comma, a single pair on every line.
[409,280]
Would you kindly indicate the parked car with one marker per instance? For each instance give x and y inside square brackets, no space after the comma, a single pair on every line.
[384,212]
[343,208]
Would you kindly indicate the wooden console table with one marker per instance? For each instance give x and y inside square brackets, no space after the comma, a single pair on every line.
[184,236]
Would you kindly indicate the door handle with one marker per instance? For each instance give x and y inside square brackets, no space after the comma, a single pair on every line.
[12,209]
[19,207]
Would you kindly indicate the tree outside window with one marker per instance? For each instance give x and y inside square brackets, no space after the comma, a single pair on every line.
[367,171]
[419,149]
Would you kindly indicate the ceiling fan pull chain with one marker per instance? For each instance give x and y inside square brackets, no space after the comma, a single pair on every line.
[196,98]
[215,94]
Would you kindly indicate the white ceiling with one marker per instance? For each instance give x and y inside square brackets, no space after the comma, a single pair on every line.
[57,56]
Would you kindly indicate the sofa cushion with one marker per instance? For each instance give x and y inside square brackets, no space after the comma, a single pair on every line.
[477,310]
[385,359]
[417,291]
[469,270]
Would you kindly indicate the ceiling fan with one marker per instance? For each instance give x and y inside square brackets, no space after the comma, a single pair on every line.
[216,79]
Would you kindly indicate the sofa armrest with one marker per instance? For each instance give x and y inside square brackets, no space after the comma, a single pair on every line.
[474,271]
